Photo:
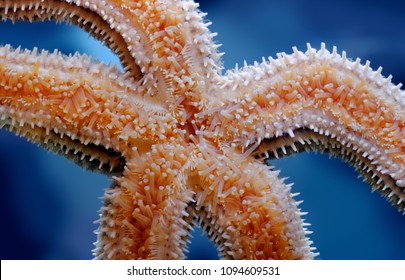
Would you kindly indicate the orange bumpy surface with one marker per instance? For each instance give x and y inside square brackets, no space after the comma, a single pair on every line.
[185,143]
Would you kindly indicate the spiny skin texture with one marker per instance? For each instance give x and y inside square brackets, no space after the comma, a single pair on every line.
[184,142]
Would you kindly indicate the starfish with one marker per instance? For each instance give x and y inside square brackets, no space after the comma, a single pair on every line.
[185,143]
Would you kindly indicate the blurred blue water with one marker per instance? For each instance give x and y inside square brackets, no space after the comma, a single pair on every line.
[47,204]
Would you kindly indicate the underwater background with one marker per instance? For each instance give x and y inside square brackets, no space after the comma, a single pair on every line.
[48,204]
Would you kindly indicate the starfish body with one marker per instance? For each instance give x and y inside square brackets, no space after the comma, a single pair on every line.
[184,142]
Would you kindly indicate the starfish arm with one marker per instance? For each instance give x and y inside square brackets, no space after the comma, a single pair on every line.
[77,108]
[145,213]
[245,208]
[164,44]
[66,11]
[318,100]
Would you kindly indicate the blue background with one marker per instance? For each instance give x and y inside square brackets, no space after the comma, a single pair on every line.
[48,205]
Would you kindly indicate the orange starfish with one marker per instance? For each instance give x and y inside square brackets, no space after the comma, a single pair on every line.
[184,141]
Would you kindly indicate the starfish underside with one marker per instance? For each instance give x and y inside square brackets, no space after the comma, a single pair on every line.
[185,144]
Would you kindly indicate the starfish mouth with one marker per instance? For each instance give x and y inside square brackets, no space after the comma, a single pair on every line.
[371,163]
[90,156]
[91,22]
